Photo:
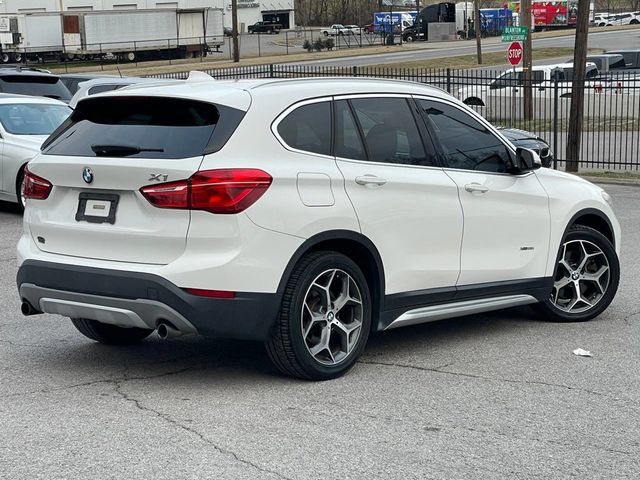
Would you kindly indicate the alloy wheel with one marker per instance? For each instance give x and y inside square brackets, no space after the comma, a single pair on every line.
[582,277]
[332,316]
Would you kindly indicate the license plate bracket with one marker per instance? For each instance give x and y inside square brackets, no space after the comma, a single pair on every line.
[97,207]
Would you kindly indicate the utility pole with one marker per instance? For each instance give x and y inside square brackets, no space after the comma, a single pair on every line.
[577,87]
[478,29]
[525,16]
[234,30]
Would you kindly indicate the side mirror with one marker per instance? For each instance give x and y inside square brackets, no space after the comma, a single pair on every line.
[527,160]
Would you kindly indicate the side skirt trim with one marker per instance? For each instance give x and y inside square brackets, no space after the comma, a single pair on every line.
[457,309]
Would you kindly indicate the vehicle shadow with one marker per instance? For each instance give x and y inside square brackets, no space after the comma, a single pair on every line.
[211,361]
[8,207]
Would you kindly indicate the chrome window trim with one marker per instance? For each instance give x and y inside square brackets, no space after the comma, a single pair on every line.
[282,115]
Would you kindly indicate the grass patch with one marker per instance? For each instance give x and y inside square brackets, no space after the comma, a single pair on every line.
[489,59]
[611,175]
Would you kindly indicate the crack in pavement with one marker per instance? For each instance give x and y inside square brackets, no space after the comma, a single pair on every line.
[118,387]
[126,378]
[545,440]
[627,319]
[497,379]
[28,345]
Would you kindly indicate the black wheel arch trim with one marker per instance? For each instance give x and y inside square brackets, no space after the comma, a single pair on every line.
[336,235]
[592,211]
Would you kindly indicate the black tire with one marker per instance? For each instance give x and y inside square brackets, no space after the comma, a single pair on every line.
[549,311]
[286,346]
[19,189]
[110,334]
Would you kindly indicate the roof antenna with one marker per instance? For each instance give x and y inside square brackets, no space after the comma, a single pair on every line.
[119,72]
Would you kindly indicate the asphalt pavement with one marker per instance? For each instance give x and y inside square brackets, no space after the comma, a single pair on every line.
[616,39]
[496,396]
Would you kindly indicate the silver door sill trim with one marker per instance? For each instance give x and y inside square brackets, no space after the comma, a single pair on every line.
[458,309]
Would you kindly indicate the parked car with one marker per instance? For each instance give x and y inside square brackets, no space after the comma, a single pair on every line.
[35,83]
[369,28]
[631,57]
[524,139]
[335,29]
[265,27]
[305,213]
[510,83]
[25,122]
[228,31]
[107,84]
[354,29]
[73,80]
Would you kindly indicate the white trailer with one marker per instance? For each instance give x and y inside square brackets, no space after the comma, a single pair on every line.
[142,34]
[34,35]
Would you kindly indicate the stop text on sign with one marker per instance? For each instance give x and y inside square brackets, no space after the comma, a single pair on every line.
[514,53]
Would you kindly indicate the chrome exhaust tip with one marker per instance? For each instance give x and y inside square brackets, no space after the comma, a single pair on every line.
[166,330]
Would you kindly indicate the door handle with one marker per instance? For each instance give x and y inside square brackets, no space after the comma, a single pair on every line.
[476,188]
[368,180]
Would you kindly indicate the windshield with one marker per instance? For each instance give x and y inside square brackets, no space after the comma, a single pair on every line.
[32,118]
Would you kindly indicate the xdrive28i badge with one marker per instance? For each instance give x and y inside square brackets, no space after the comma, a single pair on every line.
[87,175]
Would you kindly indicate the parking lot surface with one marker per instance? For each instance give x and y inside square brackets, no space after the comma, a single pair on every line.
[490,396]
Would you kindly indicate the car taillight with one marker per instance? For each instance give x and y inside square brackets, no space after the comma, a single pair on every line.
[215,191]
[35,187]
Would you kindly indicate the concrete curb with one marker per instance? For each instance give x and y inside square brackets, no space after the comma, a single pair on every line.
[627,182]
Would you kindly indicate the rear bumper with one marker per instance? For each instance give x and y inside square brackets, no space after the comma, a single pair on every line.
[135,299]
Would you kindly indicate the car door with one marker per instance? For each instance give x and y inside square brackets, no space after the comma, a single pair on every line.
[405,203]
[506,216]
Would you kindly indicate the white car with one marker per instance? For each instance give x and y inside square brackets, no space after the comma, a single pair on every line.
[510,84]
[25,122]
[353,29]
[107,84]
[305,213]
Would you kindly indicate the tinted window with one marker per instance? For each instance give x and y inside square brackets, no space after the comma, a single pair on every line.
[465,143]
[141,127]
[35,85]
[390,131]
[348,143]
[516,79]
[103,88]
[32,119]
[308,128]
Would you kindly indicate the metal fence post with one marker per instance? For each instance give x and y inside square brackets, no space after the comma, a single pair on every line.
[555,124]
[271,75]
[286,41]
[448,80]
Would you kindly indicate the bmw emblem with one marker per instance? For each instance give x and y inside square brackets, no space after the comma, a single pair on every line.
[87,175]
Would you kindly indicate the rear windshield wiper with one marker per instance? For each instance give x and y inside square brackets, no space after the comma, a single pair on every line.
[120,150]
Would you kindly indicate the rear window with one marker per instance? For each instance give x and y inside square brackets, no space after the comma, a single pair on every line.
[143,127]
[35,85]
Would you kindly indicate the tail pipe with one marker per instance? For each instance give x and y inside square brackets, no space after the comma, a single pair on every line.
[166,330]
[27,309]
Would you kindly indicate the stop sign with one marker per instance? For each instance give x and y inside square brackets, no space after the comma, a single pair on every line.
[514,53]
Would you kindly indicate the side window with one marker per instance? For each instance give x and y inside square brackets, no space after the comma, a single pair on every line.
[308,128]
[390,132]
[466,144]
[348,143]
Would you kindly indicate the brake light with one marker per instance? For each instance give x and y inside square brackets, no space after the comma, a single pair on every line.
[217,191]
[35,187]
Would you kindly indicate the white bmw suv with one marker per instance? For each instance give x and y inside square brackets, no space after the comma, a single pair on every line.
[305,213]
